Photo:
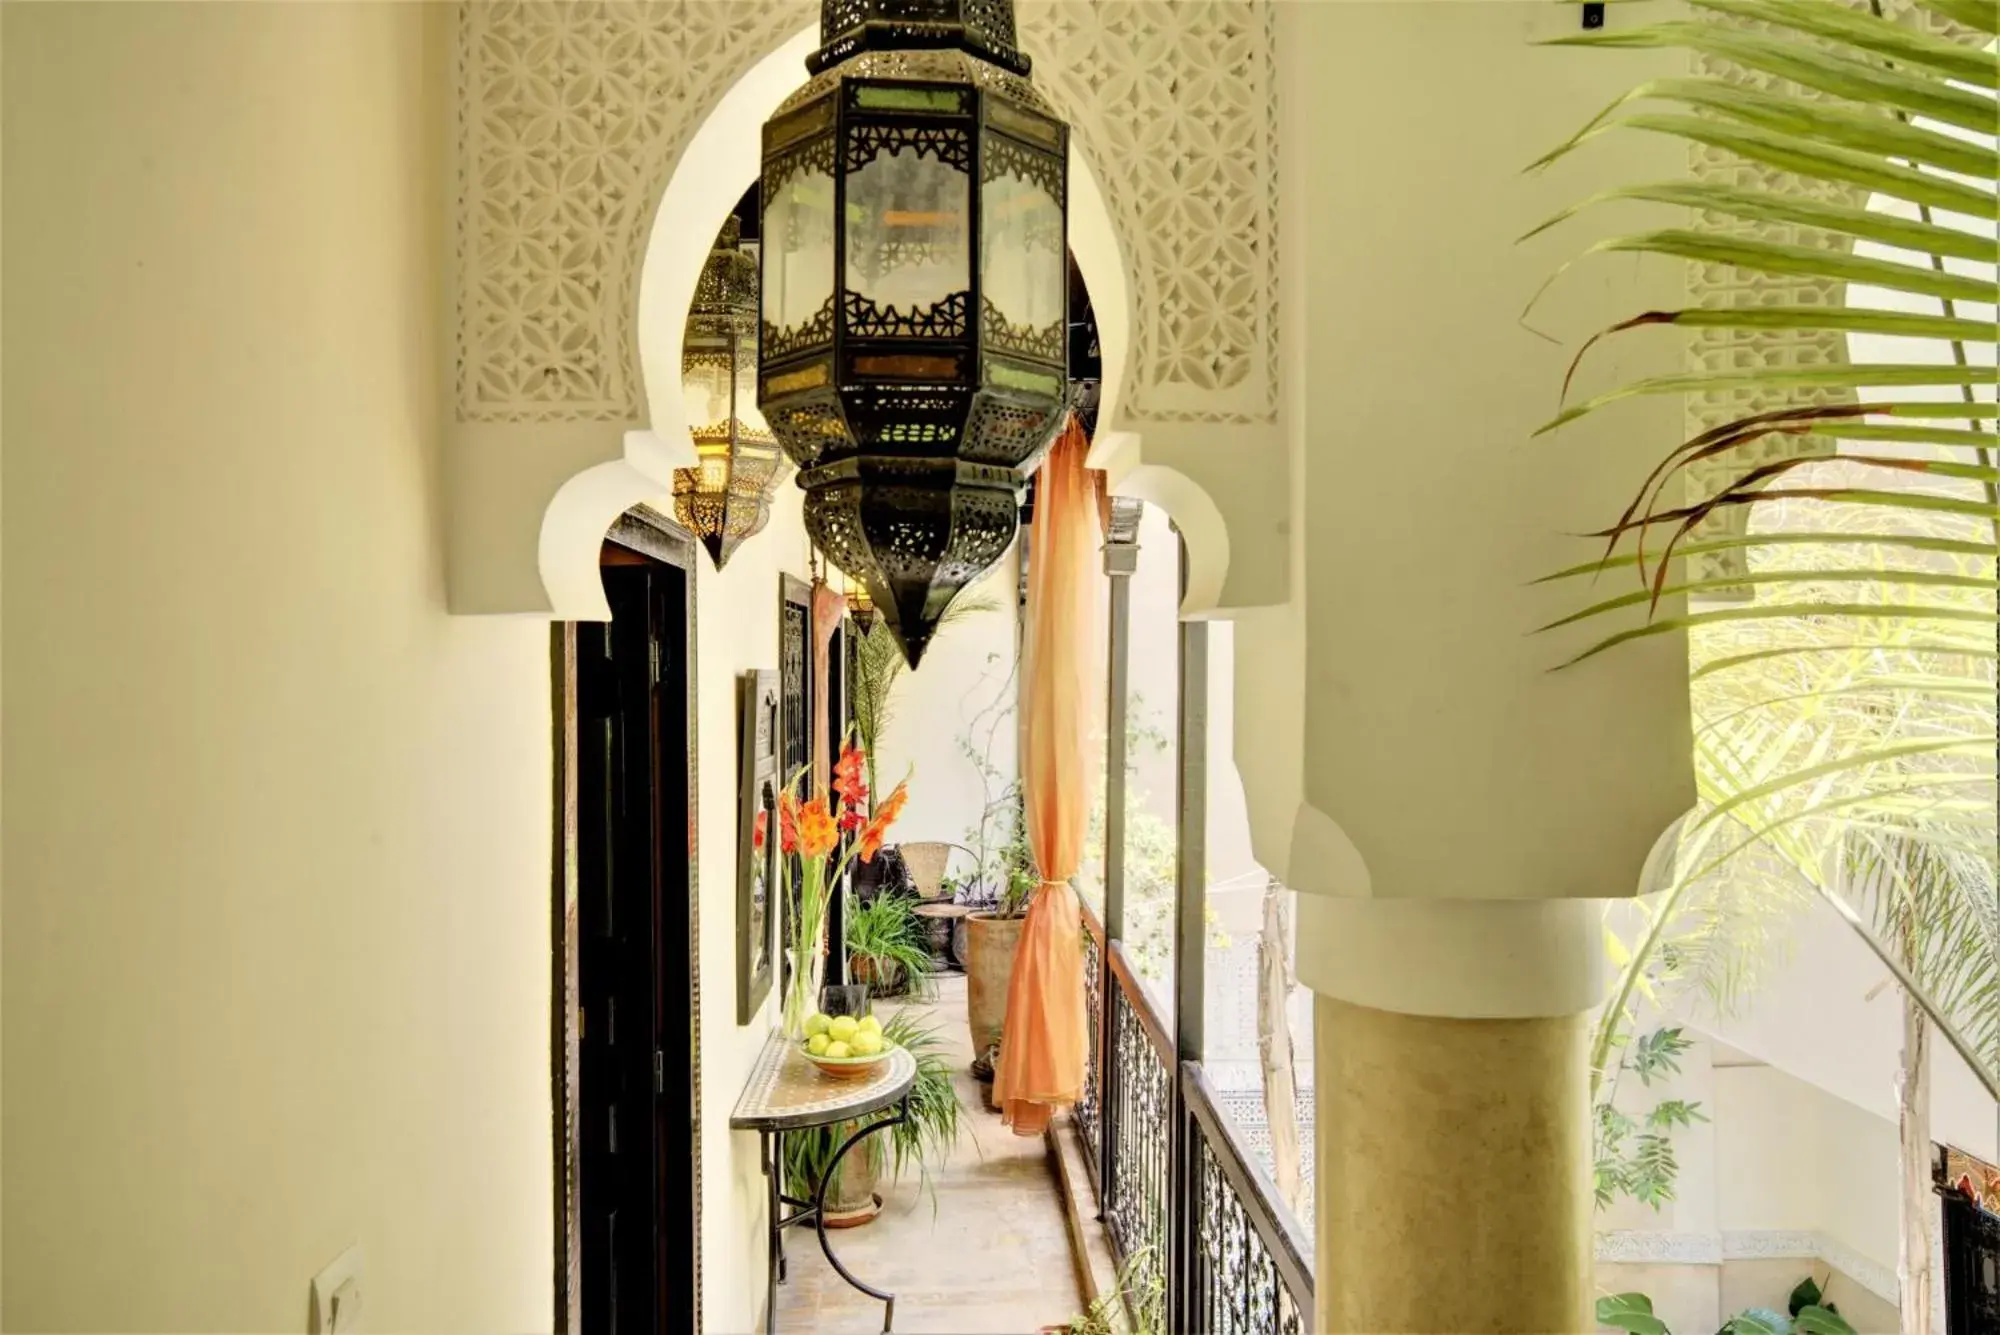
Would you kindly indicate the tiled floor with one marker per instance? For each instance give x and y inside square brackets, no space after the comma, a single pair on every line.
[993,1258]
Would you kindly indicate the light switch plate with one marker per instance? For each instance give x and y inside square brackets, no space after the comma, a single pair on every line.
[336,1295]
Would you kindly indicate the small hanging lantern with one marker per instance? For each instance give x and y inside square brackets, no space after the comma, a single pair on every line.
[913,344]
[726,498]
[860,606]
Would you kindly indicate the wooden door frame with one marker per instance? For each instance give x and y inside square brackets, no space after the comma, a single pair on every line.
[639,537]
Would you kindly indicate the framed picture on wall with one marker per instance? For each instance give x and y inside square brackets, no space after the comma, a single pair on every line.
[795,713]
[757,840]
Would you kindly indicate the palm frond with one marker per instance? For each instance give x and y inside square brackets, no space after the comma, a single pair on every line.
[1844,687]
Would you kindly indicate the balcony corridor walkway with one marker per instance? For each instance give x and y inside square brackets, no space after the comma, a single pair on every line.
[992,1259]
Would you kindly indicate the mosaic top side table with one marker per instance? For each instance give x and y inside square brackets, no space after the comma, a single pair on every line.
[787,1093]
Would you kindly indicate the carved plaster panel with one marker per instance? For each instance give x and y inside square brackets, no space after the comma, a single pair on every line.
[571,116]
[1174,104]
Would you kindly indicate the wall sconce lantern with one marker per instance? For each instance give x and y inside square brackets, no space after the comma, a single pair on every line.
[861,606]
[913,344]
[726,499]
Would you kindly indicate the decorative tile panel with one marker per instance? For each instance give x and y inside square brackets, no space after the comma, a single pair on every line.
[784,1090]
[571,116]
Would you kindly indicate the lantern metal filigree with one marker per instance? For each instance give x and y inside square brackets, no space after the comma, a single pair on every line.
[914,331]
[726,498]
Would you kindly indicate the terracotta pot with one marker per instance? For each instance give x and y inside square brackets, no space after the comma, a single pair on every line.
[990,942]
[884,979]
[854,1218]
[851,1198]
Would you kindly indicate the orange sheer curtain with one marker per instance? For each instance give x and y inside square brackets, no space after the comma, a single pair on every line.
[828,606]
[1043,1044]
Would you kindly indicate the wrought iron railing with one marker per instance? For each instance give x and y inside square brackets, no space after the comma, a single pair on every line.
[1202,1241]
[1089,1112]
[1193,1218]
[1139,1113]
[1249,1268]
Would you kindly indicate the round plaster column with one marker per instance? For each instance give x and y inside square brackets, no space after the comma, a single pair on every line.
[1452,1133]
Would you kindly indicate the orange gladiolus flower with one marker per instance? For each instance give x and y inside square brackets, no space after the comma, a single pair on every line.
[885,816]
[817,835]
[788,822]
[760,831]
[892,805]
[848,772]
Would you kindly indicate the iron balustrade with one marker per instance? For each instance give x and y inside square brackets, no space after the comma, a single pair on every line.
[1089,1108]
[1168,1162]
[1202,1242]
[1139,1113]
[1250,1269]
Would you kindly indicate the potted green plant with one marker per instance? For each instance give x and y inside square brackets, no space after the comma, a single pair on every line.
[921,1141]
[992,933]
[886,945]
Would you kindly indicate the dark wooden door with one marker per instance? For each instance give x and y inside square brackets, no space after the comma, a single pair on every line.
[637,1197]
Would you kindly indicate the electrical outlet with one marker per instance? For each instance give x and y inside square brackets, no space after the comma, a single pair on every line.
[336,1295]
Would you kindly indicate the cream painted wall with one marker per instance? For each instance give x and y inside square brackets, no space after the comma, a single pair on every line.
[1828,1012]
[736,631]
[276,925]
[1793,1157]
[1781,1167]
[968,666]
[1790,1156]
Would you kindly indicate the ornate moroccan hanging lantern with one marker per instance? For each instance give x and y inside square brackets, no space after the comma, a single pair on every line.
[861,606]
[727,498]
[915,241]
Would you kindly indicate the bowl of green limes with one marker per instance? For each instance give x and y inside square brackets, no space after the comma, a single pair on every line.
[844,1046]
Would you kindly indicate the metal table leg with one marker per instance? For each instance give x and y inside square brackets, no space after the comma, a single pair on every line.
[774,1258]
[819,1209]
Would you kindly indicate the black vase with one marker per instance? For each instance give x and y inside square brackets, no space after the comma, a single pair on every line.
[886,872]
[844,999]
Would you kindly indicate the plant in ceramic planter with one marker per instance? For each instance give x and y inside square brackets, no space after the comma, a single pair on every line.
[887,947]
[998,885]
[921,1141]
[810,831]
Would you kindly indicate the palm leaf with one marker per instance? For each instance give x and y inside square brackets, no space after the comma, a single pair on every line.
[1845,712]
